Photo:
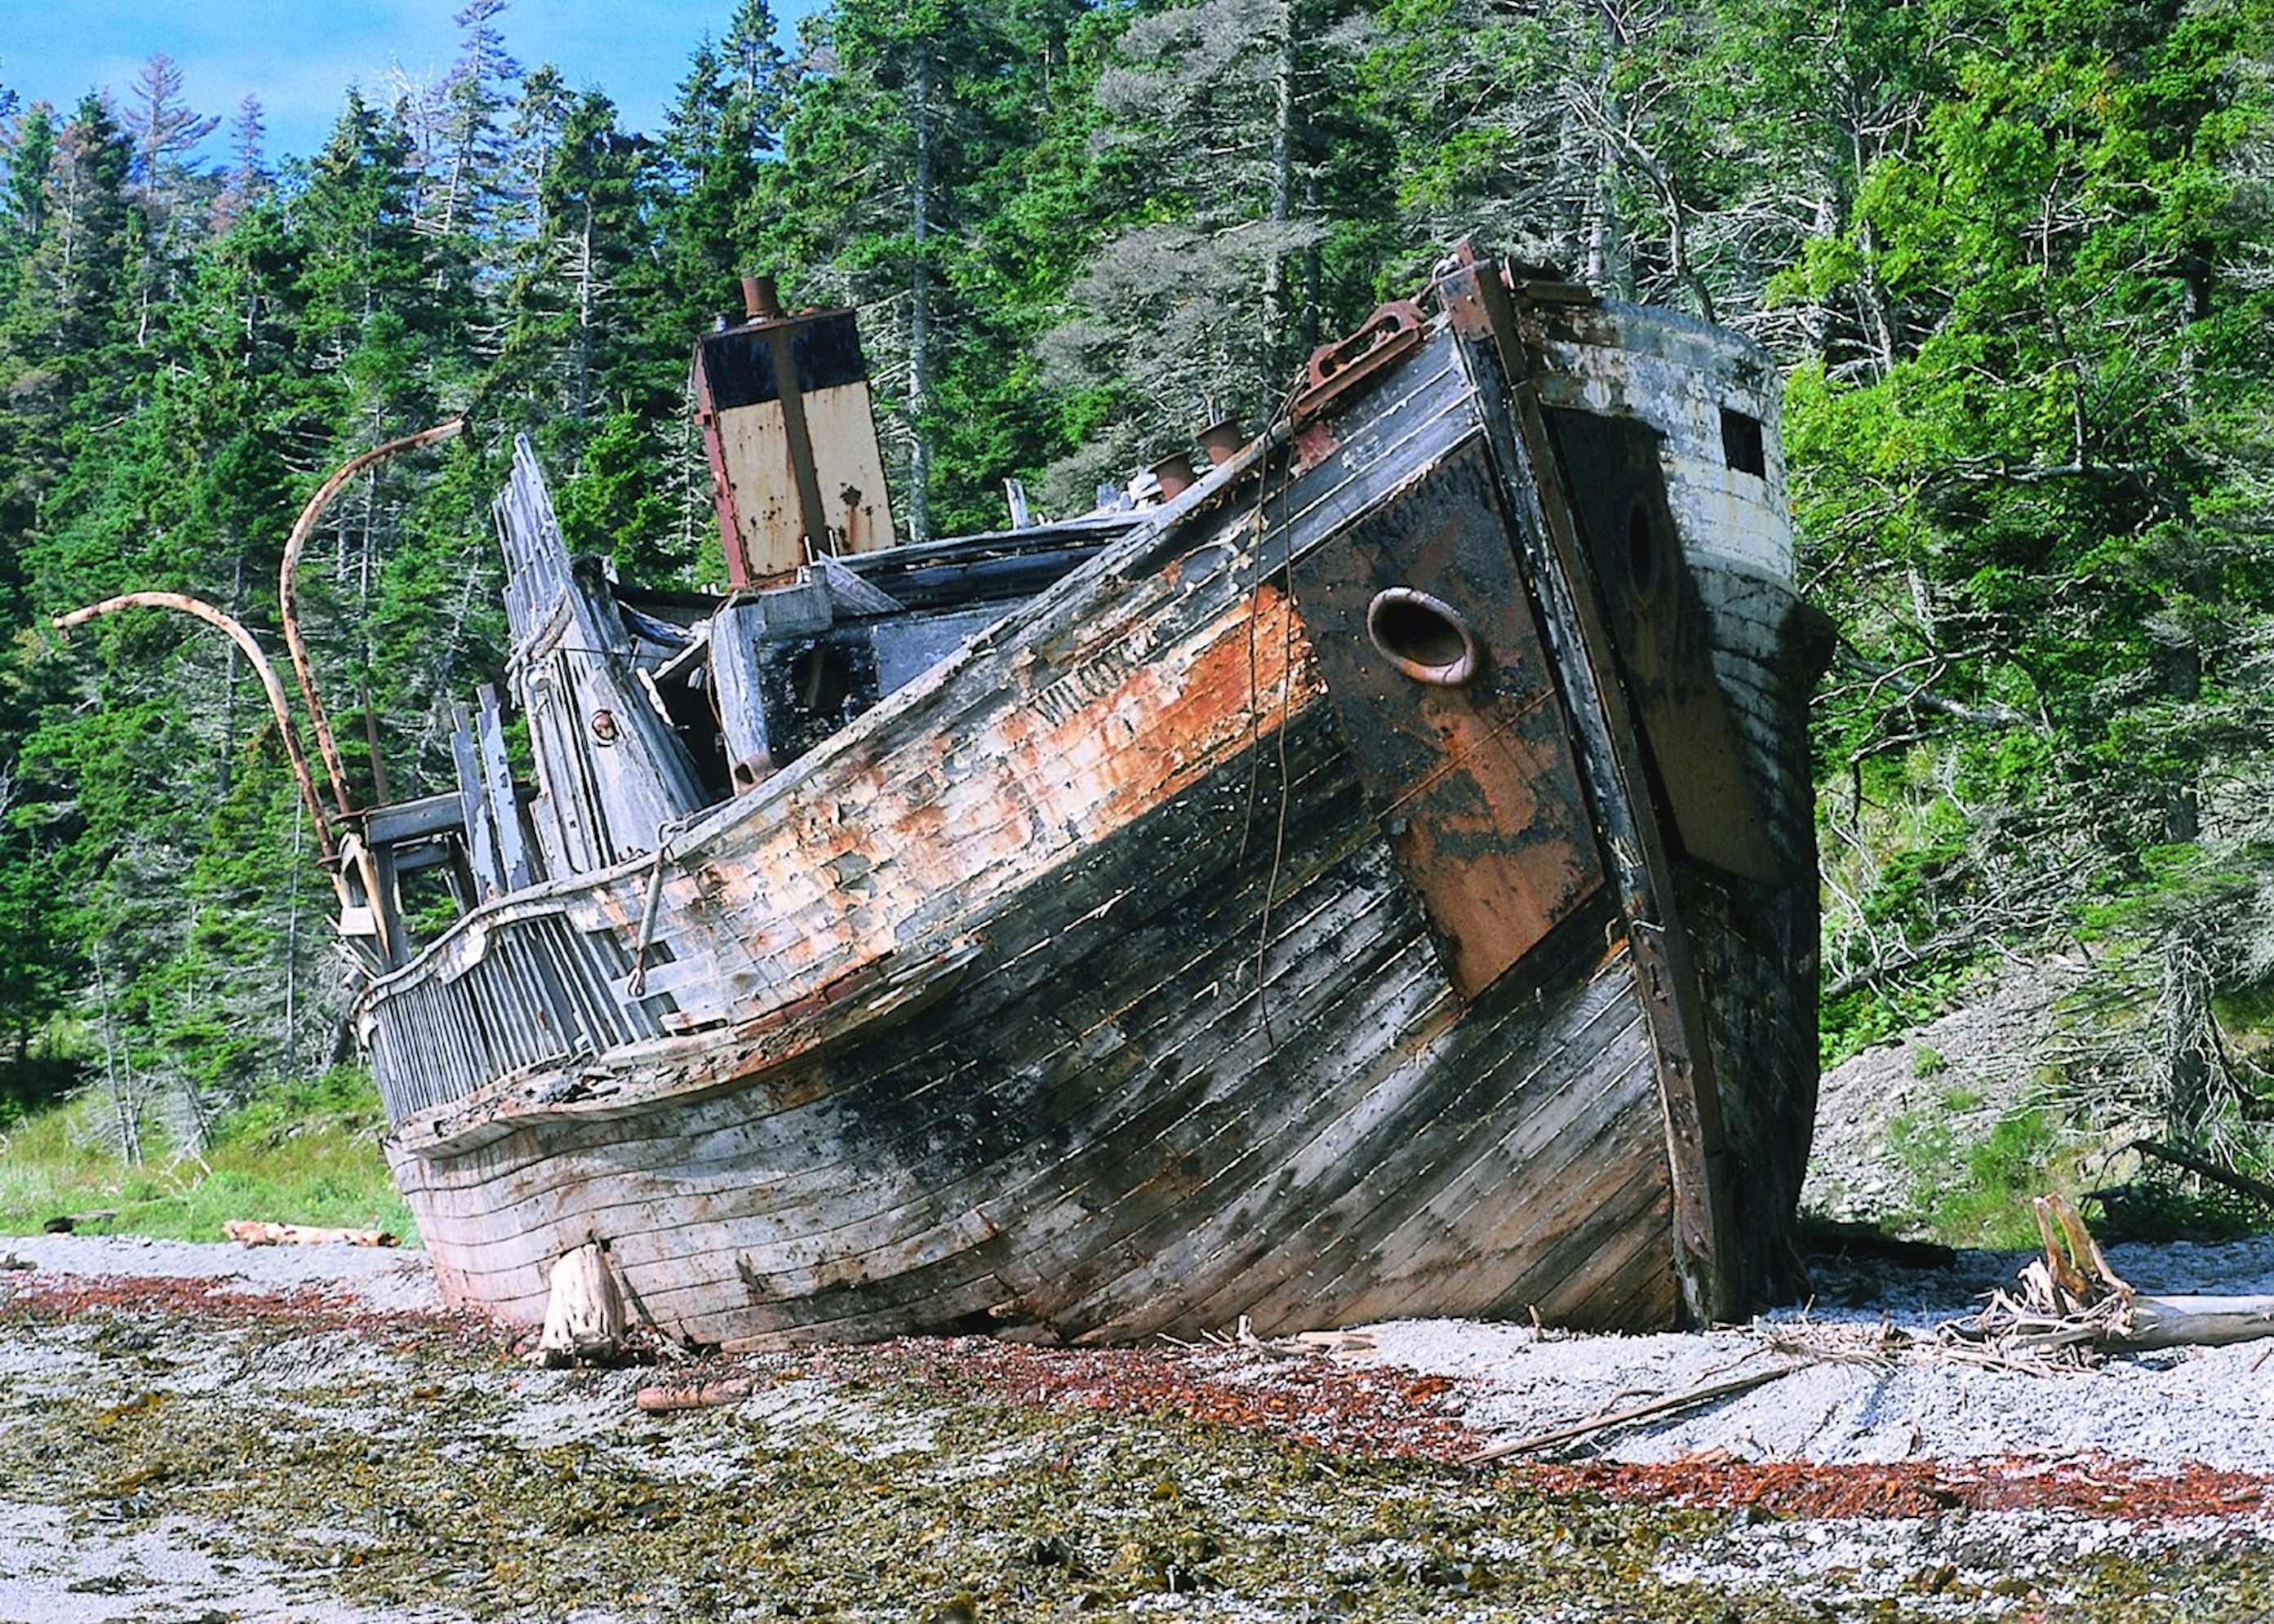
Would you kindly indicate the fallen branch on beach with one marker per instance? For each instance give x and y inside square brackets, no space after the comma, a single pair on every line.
[2072,1303]
[2202,1166]
[256,1232]
[1687,1398]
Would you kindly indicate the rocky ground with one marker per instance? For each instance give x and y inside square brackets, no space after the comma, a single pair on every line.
[209,1432]
[1965,1070]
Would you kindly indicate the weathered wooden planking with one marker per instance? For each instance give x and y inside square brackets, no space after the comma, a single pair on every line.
[1310,1121]
[1039,930]
[965,751]
[741,1149]
[932,1246]
[1521,1081]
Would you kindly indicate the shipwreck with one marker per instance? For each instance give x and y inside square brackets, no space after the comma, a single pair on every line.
[1371,875]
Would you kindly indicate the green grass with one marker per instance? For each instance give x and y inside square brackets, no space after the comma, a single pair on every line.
[1979,1193]
[302,1153]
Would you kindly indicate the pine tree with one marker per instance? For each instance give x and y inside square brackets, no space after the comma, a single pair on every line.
[163,132]
[69,296]
[474,97]
[248,178]
[757,71]
[1215,284]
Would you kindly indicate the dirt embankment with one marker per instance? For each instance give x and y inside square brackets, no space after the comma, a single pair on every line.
[1887,1117]
[206,1432]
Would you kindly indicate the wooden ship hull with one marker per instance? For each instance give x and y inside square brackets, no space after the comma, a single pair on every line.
[1376,881]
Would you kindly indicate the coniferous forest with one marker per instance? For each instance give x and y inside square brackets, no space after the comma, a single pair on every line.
[2016,261]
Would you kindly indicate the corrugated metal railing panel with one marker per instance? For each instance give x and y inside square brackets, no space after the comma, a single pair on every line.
[540,992]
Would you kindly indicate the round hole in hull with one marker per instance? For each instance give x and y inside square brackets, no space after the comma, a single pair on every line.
[1424,636]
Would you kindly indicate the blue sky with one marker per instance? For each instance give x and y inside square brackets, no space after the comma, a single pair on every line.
[299,56]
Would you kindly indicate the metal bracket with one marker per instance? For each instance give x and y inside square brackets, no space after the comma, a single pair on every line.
[1394,331]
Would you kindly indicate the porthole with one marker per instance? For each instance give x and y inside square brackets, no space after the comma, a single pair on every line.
[1424,636]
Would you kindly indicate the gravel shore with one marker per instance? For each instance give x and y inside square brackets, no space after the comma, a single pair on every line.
[211,1431]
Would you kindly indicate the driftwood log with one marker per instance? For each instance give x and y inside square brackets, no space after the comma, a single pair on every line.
[255,1232]
[1689,1398]
[2070,1298]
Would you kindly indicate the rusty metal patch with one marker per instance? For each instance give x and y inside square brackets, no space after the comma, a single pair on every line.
[1392,333]
[1473,784]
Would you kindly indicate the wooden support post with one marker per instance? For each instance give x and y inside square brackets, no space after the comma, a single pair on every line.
[585,1315]
[497,791]
[481,837]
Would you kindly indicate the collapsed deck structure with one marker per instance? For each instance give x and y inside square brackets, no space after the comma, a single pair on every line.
[1373,877]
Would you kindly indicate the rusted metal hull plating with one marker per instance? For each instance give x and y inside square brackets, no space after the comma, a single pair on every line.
[1288,914]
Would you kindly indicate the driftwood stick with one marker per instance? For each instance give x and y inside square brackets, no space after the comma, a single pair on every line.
[1686,1399]
[667,1397]
[2204,1167]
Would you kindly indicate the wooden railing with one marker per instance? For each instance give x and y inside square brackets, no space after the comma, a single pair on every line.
[513,992]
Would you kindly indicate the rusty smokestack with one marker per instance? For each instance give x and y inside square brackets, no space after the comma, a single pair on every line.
[1175,473]
[761,300]
[1222,441]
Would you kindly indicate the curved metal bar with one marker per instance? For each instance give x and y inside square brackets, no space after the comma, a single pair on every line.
[201,610]
[319,722]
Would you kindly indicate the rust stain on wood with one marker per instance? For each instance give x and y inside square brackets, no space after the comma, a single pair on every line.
[1474,783]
